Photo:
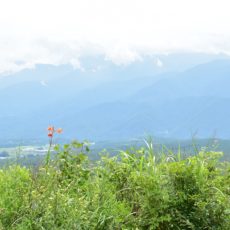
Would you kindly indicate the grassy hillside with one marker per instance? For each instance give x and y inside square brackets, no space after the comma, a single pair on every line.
[136,189]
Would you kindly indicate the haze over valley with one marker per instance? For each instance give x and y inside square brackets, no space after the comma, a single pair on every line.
[105,101]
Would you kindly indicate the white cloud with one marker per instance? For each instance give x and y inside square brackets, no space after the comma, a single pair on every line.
[57,32]
[76,64]
[19,54]
[96,69]
[122,56]
[158,63]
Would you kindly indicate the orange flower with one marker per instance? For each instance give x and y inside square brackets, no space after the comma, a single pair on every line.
[59,130]
[50,128]
[50,134]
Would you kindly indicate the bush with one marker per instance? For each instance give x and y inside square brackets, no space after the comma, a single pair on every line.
[137,189]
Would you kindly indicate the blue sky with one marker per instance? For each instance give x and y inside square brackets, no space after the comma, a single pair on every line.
[123,31]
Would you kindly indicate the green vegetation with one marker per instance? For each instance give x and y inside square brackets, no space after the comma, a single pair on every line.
[136,189]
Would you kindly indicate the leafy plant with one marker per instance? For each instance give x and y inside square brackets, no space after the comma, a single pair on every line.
[136,189]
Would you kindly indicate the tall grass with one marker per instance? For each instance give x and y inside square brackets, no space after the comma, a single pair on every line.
[136,189]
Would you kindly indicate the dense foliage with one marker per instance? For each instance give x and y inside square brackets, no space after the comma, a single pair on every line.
[136,189]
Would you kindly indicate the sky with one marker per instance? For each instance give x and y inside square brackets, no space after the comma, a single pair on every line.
[123,31]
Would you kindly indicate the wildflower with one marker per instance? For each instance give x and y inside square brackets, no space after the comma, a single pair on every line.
[59,130]
[50,128]
[51,132]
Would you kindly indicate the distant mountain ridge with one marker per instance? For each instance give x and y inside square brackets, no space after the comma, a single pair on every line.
[167,104]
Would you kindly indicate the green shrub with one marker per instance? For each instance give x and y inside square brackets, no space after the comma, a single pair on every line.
[137,189]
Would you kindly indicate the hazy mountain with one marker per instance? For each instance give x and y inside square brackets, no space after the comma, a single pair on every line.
[132,101]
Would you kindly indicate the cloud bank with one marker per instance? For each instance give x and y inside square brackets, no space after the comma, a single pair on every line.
[62,32]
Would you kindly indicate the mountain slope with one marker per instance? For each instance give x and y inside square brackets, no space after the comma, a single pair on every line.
[169,105]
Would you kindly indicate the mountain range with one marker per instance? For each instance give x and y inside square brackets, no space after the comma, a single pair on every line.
[105,101]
